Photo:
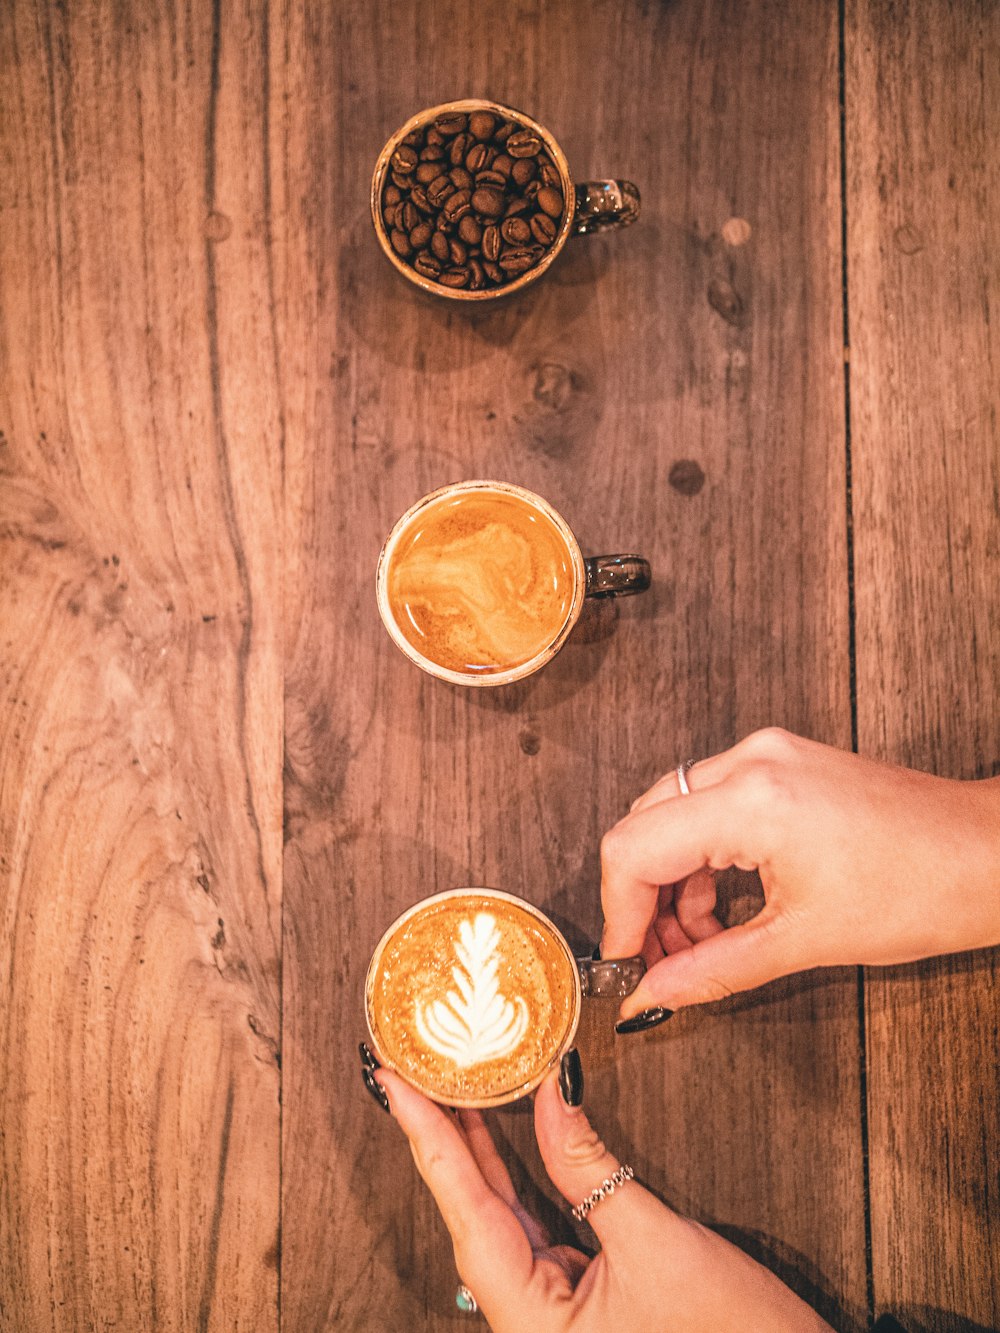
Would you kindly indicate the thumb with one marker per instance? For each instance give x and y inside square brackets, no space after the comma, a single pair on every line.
[578,1163]
[736,959]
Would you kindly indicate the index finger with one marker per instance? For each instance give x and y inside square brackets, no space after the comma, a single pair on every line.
[661,844]
[492,1252]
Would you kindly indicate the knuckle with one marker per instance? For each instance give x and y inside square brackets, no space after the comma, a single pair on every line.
[584,1148]
[764,789]
[613,845]
[773,743]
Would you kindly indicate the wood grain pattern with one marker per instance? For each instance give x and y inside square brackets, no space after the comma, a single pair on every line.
[923,122]
[140,543]
[663,353]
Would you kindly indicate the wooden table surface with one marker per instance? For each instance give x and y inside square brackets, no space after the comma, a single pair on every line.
[220,780]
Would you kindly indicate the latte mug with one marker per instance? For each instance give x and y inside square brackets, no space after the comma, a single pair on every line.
[446,150]
[481,582]
[473,995]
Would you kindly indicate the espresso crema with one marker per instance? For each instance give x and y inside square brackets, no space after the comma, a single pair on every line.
[471,998]
[481,581]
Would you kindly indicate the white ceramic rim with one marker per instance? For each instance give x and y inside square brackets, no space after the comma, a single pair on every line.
[510,1094]
[498,677]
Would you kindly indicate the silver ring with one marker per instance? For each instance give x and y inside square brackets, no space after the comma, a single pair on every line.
[465,1301]
[607,1187]
[682,772]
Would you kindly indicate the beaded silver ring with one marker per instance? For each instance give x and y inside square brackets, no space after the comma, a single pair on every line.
[618,1178]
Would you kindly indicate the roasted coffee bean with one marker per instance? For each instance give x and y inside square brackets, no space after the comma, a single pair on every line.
[491,243]
[477,277]
[550,201]
[427,265]
[523,170]
[407,217]
[481,124]
[515,231]
[434,137]
[493,271]
[459,148]
[470,231]
[505,131]
[524,143]
[503,164]
[457,253]
[389,215]
[460,178]
[531,189]
[454,277]
[432,153]
[421,235]
[418,195]
[439,190]
[403,182]
[488,201]
[549,174]
[439,245]
[543,229]
[392,195]
[518,260]
[451,123]
[479,157]
[490,178]
[516,207]
[427,171]
[404,159]
[457,205]
[442,223]
[414,137]
[401,243]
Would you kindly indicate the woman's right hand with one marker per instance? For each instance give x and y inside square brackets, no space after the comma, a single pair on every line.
[861,862]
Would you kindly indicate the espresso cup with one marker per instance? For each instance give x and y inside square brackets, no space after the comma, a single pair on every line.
[481,582]
[473,200]
[473,995]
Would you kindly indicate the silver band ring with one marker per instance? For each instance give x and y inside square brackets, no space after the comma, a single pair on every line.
[607,1187]
[682,772]
[465,1301]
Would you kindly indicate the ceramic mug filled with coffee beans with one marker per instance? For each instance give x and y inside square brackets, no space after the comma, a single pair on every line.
[473,995]
[481,582]
[474,200]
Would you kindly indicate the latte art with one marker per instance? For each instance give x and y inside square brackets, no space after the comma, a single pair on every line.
[474,1022]
[471,996]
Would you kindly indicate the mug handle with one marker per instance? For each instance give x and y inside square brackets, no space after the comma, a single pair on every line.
[616,575]
[610,978]
[604,204]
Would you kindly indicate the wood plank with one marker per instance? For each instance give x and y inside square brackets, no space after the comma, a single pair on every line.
[140,730]
[923,122]
[668,345]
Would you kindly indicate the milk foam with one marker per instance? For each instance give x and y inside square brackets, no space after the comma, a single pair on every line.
[475,1022]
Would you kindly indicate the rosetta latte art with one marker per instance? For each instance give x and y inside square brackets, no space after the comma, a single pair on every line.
[475,1022]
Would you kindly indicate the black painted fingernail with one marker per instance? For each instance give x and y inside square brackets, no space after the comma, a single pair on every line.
[571,1078]
[596,955]
[886,1323]
[367,1057]
[649,1018]
[375,1088]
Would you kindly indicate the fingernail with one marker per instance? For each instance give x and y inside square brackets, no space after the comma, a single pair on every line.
[596,955]
[571,1078]
[367,1057]
[368,1066]
[649,1018]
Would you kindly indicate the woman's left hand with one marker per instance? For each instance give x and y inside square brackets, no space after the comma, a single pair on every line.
[655,1270]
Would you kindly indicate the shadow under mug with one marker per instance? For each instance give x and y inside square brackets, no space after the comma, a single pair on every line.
[588,206]
[587,978]
[592,576]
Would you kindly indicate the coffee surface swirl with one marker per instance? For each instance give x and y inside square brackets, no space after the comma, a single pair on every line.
[481,581]
[472,998]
